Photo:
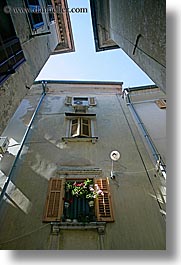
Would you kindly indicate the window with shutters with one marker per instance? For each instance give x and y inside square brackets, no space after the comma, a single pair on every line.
[86,101]
[11,53]
[80,127]
[64,206]
[161,103]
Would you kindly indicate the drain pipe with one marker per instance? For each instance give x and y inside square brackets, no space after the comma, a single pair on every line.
[159,163]
[22,142]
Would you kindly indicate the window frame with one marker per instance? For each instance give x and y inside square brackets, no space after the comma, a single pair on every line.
[93,209]
[69,100]
[11,53]
[80,127]
[80,136]
[49,7]
[31,15]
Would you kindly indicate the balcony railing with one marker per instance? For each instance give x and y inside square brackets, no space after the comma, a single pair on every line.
[11,56]
[77,209]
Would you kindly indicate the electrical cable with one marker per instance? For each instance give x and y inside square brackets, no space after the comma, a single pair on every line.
[26,234]
[136,172]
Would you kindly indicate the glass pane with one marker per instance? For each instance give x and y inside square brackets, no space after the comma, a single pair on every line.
[74,121]
[74,130]
[85,121]
[80,99]
[85,130]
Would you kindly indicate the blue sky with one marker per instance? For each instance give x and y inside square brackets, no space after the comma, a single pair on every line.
[85,63]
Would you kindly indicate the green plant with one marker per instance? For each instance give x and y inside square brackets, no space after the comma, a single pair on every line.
[86,188]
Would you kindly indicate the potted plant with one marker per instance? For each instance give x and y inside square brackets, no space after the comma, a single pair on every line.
[86,188]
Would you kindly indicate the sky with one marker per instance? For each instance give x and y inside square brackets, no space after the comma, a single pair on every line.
[88,65]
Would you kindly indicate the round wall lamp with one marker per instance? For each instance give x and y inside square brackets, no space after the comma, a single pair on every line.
[114,155]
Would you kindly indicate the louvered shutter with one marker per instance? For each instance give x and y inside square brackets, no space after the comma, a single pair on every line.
[92,101]
[75,127]
[161,103]
[68,100]
[54,202]
[85,127]
[103,203]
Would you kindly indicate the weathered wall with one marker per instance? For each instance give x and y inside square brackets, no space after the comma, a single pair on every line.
[138,224]
[153,118]
[36,51]
[148,18]
[126,21]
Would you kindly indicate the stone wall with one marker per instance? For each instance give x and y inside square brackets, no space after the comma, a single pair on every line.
[36,51]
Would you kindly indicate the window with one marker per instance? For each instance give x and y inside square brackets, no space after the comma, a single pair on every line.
[80,127]
[62,206]
[85,101]
[161,103]
[11,53]
[50,10]
[80,101]
[35,16]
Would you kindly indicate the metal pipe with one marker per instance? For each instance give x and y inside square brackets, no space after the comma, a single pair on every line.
[22,143]
[154,150]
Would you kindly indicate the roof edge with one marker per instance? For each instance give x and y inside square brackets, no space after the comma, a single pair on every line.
[141,87]
[78,82]
[98,48]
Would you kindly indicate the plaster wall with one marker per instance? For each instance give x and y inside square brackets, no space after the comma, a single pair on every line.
[139,28]
[153,118]
[138,223]
[148,18]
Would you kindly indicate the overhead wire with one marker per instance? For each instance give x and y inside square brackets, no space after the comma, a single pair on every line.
[24,235]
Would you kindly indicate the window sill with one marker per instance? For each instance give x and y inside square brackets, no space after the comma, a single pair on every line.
[56,227]
[80,139]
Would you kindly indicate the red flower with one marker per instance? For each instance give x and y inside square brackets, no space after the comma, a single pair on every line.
[71,200]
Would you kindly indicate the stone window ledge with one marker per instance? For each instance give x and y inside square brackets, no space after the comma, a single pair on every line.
[80,139]
[57,226]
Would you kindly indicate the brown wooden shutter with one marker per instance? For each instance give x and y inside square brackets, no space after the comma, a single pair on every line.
[68,100]
[92,101]
[161,103]
[54,202]
[103,203]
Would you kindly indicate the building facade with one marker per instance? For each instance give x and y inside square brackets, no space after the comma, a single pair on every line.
[29,33]
[77,130]
[148,106]
[138,28]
